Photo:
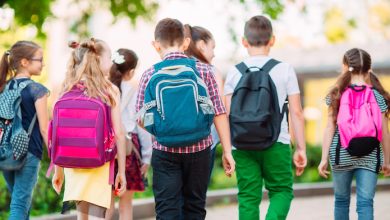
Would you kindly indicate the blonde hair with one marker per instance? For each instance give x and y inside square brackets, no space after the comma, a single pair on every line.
[84,66]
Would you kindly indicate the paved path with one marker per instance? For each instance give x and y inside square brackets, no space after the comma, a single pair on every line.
[306,208]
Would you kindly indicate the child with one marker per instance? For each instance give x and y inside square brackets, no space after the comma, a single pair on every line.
[181,171]
[121,73]
[272,164]
[345,164]
[89,64]
[202,49]
[23,60]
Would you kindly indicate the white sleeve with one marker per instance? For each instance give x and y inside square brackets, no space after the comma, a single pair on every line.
[128,114]
[146,143]
[292,81]
[232,79]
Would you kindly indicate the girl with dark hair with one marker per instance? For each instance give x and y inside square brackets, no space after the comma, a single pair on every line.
[139,141]
[356,74]
[201,48]
[18,65]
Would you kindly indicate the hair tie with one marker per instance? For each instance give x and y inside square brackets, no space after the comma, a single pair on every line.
[350,69]
[7,52]
[73,44]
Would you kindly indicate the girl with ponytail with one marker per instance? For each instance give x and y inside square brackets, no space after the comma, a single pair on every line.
[18,64]
[138,140]
[345,164]
[88,67]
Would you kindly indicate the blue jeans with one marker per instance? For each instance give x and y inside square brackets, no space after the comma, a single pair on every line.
[180,184]
[21,184]
[365,191]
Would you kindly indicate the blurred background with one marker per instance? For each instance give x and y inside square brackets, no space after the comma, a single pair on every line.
[311,35]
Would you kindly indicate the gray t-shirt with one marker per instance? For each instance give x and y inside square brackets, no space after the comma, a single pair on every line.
[285,81]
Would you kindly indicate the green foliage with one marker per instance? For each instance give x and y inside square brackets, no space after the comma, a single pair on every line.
[273,8]
[38,11]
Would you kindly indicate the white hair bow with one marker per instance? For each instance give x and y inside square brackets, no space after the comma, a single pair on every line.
[117,58]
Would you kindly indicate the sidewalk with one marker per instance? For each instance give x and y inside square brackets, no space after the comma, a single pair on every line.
[307,208]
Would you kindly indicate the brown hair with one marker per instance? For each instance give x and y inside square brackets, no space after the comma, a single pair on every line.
[196,34]
[358,62]
[10,62]
[258,31]
[118,70]
[84,65]
[169,32]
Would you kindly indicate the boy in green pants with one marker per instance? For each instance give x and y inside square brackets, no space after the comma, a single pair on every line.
[271,164]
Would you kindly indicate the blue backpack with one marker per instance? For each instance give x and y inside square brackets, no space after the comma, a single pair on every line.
[177,107]
[14,139]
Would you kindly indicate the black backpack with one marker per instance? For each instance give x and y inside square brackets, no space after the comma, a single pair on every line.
[255,116]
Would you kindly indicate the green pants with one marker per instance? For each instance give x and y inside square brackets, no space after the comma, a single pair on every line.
[272,165]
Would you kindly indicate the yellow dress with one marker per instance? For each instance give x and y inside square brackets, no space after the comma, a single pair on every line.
[90,185]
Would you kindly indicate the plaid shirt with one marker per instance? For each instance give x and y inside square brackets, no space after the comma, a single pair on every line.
[207,74]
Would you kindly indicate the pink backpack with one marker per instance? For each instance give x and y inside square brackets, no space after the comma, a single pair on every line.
[81,133]
[359,121]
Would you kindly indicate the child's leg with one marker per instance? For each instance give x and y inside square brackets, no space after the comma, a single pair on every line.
[250,183]
[278,179]
[195,168]
[342,193]
[167,184]
[88,211]
[111,210]
[22,183]
[126,206]
[366,181]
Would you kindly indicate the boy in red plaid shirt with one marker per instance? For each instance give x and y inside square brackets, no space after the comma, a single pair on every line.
[180,174]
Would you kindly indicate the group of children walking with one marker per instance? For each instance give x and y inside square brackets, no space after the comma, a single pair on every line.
[107,129]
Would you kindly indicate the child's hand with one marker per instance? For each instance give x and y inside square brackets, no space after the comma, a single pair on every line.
[120,180]
[323,169]
[57,181]
[228,163]
[144,169]
[386,169]
[300,161]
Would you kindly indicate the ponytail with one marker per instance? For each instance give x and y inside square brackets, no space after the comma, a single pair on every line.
[116,76]
[196,34]
[4,70]
[377,85]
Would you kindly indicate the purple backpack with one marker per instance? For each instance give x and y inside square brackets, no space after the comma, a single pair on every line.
[81,133]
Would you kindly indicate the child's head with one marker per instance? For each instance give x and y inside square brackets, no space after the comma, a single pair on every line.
[258,32]
[24,57]
[90,63]
[202,43]
[355,62]
[169,37]
[123,67]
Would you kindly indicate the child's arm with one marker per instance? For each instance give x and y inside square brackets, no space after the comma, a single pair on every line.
[42,117]
[386,145]
[120,143]
[222,126]
[326,142]
[297,123]
[58,178]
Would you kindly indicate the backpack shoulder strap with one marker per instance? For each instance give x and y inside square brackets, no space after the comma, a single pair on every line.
[242,67]
[269,65]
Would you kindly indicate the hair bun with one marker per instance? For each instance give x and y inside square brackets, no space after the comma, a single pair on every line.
[89,44]
[73,44]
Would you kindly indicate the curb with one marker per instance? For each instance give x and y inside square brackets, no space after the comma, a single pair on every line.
[144,208]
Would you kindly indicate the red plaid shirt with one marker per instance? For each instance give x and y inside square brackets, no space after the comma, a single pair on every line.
[207,74]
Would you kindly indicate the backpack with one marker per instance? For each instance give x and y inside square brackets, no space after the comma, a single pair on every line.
[14,140]
[177,107]
[255,117]
[80,133]
[359,121]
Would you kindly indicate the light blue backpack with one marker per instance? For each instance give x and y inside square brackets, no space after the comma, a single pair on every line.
[177,107]
[13,138]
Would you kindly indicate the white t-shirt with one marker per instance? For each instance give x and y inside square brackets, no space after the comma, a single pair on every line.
[284,78]
[128,99]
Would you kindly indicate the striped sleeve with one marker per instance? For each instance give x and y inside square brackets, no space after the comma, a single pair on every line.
[381,101]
